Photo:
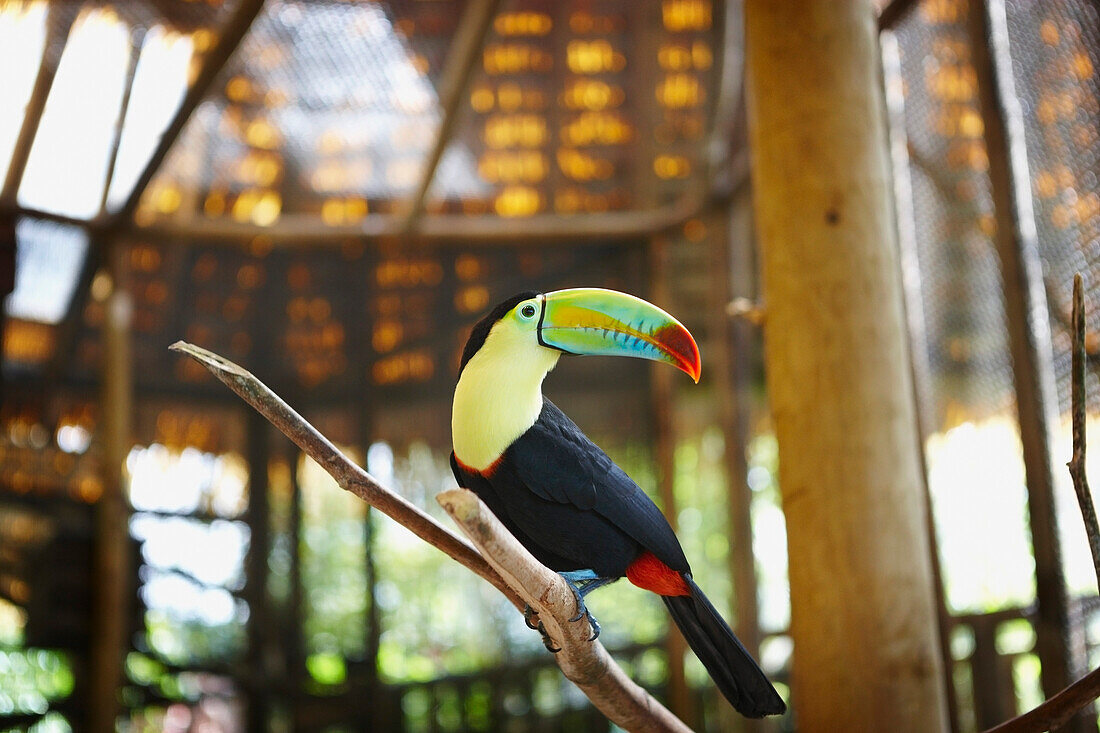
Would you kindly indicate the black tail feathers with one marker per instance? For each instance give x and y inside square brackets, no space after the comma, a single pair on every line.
[730,665]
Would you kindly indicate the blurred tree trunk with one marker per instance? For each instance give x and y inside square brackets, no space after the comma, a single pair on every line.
[863,615]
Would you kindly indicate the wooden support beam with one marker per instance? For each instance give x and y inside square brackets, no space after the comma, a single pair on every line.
[59,21]
[113,590]
[256,571]
[17,211]
[459,69]
[921,369]
[137,38]
[736,347]
[863,614]
[231,36]
[296,617]
[1027,316]
[303,229]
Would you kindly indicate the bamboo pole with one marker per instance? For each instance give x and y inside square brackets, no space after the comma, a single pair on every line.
[863,615]
[113,575]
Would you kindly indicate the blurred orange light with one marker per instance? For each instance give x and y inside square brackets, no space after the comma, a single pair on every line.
[523,24]
[518,201]
[593,57]
[686,15]
[677,91]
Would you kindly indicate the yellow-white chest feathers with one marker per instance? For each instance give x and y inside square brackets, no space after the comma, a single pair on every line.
[499,394]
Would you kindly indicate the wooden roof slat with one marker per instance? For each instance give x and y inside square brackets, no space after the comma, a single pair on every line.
[59,21]
[228,42]
[465,51]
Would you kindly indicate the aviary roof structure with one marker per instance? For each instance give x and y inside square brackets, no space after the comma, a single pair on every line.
[328,112]
[259,159]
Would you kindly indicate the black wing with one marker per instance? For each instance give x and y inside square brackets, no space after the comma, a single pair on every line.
[558,463]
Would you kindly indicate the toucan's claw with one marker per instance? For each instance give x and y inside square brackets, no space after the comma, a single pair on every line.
[595,626]
[546,640]
[528,614]
[530,617]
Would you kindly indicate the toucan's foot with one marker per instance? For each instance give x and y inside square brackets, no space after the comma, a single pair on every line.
[583,582]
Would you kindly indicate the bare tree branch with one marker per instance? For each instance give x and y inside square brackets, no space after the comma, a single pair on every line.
[348,475]
[1061,707]
[510,568]
[1055,711]
[584,662]
[1078,400]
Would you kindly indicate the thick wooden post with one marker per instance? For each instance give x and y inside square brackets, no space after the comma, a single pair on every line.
[863,614]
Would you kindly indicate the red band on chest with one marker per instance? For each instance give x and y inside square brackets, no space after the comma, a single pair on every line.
[487,473]
[650,573]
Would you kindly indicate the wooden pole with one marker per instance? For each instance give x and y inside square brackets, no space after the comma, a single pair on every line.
[112,586]
[863,614]
[259,546]
[735,347]
[920,367]
[664,444]
[1061,654]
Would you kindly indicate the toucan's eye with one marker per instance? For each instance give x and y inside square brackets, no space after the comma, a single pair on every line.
[528,310]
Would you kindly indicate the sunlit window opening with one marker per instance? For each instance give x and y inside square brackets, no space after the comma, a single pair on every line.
[977,482]
[187,506]
[160,81]
[48,260]
[333,556]
[66,172]
[22,37]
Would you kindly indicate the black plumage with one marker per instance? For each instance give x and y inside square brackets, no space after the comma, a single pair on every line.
[569,504]
[573,508]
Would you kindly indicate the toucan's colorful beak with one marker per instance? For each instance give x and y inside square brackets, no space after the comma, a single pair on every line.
[596,321]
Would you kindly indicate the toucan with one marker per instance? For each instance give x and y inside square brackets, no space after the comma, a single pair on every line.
[561,496]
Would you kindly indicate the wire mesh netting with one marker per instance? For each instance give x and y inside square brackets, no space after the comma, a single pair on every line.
[329,110]
[1055,53]
[973,450]
[962,300]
